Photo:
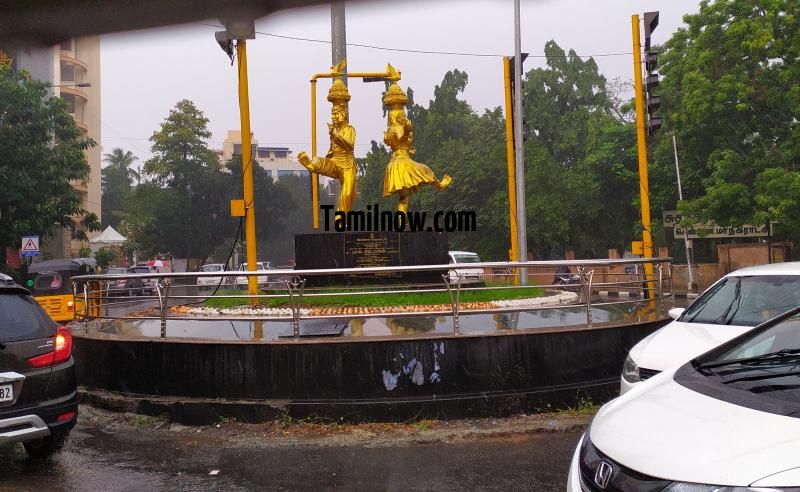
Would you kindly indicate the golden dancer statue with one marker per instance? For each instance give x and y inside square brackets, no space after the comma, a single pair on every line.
[340,162]
[403,175]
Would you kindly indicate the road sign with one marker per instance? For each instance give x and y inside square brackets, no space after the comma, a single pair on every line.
[30,246]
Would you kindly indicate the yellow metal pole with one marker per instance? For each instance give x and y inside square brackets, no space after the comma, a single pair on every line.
[647,238]
[512,183]
[314,176]
[247,171]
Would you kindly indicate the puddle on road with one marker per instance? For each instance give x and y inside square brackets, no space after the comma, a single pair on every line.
[372,327]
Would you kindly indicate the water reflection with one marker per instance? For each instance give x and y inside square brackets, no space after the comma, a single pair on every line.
[394,326]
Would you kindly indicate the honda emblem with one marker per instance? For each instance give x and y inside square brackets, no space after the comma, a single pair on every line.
[603,474]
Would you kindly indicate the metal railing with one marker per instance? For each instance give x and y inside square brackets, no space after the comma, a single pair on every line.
[103,298]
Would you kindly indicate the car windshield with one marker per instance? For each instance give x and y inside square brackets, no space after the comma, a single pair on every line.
[767,363]
[467,259]
[745,301]
[141,269]
[211,268]
[116,271]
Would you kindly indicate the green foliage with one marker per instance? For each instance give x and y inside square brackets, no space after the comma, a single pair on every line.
[580,162]
[41,152]
[85,252]
[183,210]
[116,181]
[731,92]
[105,257]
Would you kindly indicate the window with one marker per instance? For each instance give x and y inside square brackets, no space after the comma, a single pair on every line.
[67,72]
[280,154]
[23,319]
[282,173]
[70,99]
[303,174]
[68,45]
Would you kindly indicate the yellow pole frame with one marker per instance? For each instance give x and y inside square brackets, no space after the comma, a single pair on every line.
[315,176]
[512,182]
[641,140]
[247,171]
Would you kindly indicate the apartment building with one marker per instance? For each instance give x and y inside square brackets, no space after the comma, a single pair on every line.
[277,161]
[72,68]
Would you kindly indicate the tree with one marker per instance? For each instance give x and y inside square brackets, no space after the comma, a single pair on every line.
[41,153]
[105,257]
[731,95]
[122,161]
[183,163]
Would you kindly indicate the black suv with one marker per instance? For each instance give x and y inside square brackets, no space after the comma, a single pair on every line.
[38,388]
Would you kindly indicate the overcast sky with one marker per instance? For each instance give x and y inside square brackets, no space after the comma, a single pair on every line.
[144,73]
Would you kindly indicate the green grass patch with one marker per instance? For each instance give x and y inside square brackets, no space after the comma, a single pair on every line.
[377,300]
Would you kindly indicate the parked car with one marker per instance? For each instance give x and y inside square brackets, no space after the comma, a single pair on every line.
[149,284]
[725,421]
[468,275]
[123,286]
[38,387]
[210,282]
[262,267]
[735,304]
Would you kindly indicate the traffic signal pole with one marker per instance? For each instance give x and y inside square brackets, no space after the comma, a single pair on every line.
[512,191]
[641,141]
[247,171]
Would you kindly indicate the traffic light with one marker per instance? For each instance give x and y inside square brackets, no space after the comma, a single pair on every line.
[651,80]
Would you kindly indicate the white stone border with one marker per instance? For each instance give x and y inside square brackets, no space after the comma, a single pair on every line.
[562,297]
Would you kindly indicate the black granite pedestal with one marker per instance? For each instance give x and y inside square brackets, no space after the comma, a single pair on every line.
[370,249]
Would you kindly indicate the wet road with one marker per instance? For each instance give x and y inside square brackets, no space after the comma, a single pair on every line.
[95,459]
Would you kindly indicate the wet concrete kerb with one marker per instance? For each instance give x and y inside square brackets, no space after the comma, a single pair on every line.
[287,432]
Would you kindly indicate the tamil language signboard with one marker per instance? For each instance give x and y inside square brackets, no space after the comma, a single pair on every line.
[712,231]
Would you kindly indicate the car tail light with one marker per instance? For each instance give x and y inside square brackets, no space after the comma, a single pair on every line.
[66,417]
[62,344]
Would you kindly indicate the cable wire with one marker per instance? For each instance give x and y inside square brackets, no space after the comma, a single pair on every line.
[408,50]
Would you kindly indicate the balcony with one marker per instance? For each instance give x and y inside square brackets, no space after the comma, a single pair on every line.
[68,57]
[74,91]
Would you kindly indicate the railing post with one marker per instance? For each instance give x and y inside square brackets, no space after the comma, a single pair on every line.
[163,301]
[660,293]
[295,287]
[85,297]
[589,277]
[454,299]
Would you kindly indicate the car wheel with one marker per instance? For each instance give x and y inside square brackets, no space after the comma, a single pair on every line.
[47,446]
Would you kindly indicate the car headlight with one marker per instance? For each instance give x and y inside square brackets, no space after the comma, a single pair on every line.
[699,487]
[630,371]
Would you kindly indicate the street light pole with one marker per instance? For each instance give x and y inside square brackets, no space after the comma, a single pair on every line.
[685,232]
[522,243]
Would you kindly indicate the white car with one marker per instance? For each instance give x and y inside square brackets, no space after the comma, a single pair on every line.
[468,275]
[735,304]
[210,282]
[727,421]
[262,267]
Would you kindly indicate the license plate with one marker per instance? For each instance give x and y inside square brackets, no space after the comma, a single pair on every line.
[6,392]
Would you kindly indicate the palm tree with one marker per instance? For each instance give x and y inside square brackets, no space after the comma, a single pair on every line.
[123,161]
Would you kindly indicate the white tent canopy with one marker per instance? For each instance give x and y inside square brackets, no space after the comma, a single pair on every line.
[109,237]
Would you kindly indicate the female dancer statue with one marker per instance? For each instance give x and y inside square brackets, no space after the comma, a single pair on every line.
[403,175]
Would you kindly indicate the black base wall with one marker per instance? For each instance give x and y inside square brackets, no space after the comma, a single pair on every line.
[388,379]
